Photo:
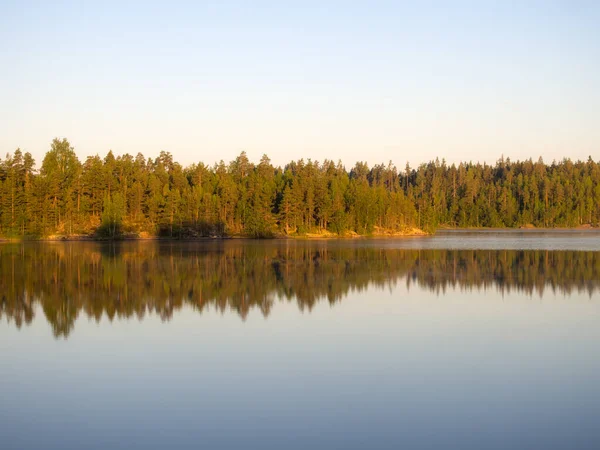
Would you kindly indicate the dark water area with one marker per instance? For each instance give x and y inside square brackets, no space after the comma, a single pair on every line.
[460,340]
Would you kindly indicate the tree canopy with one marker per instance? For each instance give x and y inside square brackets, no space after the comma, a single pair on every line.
[121,194]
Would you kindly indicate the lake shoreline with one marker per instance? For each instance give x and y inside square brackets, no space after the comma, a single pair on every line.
[413,232]
[410,233]
[308,236]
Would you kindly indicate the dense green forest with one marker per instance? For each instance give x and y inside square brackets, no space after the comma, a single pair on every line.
[127,194]
[132,279]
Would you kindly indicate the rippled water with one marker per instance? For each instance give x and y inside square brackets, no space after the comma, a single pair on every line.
[461,340]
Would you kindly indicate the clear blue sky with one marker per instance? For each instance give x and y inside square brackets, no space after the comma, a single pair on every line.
[371,81]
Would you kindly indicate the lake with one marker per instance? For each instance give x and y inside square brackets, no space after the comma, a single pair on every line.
[464,340]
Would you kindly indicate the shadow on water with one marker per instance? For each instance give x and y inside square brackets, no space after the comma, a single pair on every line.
[132,279]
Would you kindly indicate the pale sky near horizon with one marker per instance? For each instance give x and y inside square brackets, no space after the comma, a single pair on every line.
[370,81]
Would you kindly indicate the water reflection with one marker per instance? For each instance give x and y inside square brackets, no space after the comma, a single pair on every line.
[133,279]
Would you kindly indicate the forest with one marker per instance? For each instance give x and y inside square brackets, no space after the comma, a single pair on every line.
[125,195]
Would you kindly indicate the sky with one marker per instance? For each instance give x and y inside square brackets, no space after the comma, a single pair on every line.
[352,81]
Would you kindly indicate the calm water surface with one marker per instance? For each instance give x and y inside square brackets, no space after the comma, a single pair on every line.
[463,340]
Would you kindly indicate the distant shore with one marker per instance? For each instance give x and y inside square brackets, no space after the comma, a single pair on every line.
[528,227]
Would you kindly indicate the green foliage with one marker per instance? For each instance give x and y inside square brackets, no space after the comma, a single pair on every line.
[112,216]
[108,196]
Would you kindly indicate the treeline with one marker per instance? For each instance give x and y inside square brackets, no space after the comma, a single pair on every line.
[127,194]
[132,279]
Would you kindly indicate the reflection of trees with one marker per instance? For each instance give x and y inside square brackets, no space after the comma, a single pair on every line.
[132,279]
